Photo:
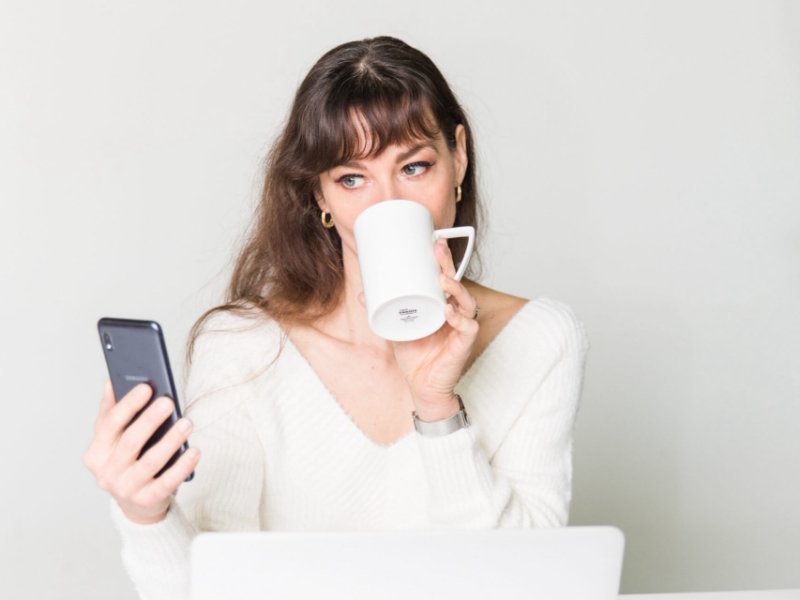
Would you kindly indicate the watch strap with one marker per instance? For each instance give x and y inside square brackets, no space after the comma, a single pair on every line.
[445,426]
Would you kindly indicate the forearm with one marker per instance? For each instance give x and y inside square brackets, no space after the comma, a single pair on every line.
[467,491]
[156,556]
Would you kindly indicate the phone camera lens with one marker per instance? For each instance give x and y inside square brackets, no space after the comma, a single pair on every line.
[107,341]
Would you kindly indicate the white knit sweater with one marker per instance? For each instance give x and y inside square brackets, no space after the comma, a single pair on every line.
[279,453]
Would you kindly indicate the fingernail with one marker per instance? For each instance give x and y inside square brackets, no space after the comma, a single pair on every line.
[164,405]
[184,425]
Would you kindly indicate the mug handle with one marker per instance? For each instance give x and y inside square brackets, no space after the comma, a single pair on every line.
[456,232]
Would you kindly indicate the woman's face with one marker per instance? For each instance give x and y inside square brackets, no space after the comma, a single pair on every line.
[426,171]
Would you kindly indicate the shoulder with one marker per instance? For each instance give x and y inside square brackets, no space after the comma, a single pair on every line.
[556,325]
[542,325]
[229,349]
[233,334]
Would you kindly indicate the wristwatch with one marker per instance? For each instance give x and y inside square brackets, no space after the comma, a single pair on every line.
[445,426]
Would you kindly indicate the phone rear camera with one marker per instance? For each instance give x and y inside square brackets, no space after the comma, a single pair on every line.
[107,342]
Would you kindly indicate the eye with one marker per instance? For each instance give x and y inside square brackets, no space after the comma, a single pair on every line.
[351,181]
[416,168]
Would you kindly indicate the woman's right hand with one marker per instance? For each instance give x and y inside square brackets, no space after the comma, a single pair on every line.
[112,457]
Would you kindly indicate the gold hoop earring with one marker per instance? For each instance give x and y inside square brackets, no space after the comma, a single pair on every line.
[327,224]
[458,193]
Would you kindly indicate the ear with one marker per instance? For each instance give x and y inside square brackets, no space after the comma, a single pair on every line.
[323,206]
[460,160]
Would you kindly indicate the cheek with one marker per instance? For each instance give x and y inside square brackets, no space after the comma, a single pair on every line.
[343,206]
[444,207]
[327,188]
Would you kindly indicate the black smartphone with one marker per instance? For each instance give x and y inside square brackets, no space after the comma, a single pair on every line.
[136,353]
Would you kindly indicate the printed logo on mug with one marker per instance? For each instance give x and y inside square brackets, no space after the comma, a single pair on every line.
[399,273]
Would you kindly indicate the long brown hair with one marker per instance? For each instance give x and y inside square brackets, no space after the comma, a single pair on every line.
[291,267]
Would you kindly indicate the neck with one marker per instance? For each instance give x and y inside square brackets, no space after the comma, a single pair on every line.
[348,321]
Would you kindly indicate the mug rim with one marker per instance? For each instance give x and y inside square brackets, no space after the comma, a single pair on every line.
[393,201]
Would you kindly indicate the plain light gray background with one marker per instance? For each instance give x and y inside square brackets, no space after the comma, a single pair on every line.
[639,160]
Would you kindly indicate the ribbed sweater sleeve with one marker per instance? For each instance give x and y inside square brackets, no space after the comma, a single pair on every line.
[227,488]
[527,482]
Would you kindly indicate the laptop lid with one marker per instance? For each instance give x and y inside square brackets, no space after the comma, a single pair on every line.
[514,564]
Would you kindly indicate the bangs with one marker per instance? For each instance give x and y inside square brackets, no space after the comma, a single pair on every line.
[362,123]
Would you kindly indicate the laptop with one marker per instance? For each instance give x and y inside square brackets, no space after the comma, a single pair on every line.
[572,563]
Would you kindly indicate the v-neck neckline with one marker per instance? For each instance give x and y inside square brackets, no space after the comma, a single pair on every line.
[337,405]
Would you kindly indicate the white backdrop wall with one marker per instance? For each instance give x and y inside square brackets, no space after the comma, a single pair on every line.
[639,160]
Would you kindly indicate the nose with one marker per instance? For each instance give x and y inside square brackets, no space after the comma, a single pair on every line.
[388,190]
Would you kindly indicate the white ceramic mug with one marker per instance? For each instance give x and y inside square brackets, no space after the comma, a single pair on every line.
[399,273]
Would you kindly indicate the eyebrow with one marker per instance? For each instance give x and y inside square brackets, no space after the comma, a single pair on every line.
[414,149]
[351,164]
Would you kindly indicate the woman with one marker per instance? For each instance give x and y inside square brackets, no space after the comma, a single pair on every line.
[303,414]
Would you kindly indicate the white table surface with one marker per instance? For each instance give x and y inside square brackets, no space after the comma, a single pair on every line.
[748,595]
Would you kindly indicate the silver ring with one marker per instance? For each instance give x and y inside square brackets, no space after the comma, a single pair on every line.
[477,312]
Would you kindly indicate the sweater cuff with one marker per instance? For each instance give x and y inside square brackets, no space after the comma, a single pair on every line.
[464,489]
[156,556]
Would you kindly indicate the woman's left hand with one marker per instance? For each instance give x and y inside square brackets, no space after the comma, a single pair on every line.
[433,365]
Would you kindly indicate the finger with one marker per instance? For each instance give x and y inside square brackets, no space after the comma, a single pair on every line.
[465,328]
[172,478]
[92,456]
[158,456]
[133,439]
[443,256]
[111,425]
[466,302]
[108,401]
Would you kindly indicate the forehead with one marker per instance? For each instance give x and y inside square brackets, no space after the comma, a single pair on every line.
[367,135]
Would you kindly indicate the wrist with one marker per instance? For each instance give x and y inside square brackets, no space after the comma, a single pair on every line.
[444,426]
[438,411]
[140,519]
